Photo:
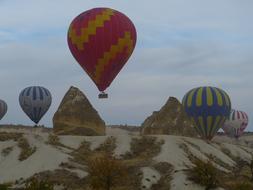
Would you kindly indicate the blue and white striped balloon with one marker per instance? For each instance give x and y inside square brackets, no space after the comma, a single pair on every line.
[35,101]
[3,108]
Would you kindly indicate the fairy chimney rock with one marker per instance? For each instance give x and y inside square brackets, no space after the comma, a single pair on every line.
[171,119]
[76,116]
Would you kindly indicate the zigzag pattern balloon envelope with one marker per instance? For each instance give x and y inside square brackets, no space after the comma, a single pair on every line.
[208,107]
[102,40]
[35,101]
[236,123]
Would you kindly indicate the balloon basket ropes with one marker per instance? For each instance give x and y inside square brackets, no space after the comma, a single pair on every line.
[102,95]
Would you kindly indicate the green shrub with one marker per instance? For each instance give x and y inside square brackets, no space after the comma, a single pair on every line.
[204,173]
[35,184]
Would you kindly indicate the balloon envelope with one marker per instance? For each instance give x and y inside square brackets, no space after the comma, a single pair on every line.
[102,40]
[208,107]
[3,108]
[236,123]
[35,101]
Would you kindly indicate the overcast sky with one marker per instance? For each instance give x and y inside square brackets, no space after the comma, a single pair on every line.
[181,44]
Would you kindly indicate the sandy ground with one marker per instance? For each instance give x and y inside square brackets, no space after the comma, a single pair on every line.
[48,157]
[123,140]
[172,153]
[150,177]
[45,158]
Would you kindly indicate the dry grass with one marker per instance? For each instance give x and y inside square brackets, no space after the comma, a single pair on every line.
[205,174]
[26,149]
[53,140]
[241,186]
[5,136]
[35,184]
[211,157]
[64,177]
[107,146]
[82,154]
[6,151]
[165,169]
[146,147]
[106,172]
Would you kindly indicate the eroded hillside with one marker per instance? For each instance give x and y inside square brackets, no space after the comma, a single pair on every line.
[152,162]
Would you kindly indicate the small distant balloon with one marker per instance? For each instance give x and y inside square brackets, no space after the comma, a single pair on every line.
[35,102]
[236,123]
[208,107]
[102,40]
[3,108]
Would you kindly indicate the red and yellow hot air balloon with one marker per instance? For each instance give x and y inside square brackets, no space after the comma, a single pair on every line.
[102,40]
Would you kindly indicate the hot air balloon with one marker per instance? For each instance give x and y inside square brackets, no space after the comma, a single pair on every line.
[208,107]
[3,108]
[35,101]
[102,40]
[236,123]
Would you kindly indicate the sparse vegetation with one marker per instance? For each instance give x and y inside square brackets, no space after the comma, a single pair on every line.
[26,149]
[105,172]
[35,184]
[53,140]
[108,146]
[146,146]
[204,173]
[226,151]
[192,144]
[6,151]
[64,177]
[251,168]
[218,161]
[81,155]
[239,167]
[5,136]
[165,169]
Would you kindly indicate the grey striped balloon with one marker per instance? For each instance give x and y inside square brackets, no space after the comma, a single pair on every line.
[35,101]
[3,108]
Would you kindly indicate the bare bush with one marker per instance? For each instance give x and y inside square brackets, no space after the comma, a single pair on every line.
[5,136]
[6,151]
[106,172]
[35,184]
[145,146]
[205,174]
[26,149]
[53,140]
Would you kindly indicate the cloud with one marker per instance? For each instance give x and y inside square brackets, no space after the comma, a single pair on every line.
[181,44]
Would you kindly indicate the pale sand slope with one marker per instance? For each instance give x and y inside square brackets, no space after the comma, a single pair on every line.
[173,153]
[123,140]
[48,157]
[150,177]
[45,158]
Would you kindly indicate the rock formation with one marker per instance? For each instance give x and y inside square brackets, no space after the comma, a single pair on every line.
[171,119]
[76,116]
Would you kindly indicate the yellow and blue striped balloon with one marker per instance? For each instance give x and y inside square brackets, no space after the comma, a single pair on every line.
[208,107]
